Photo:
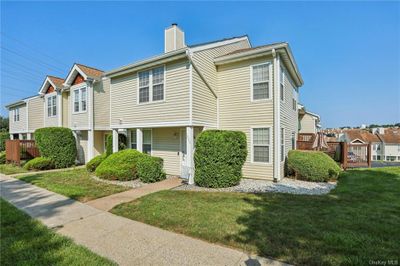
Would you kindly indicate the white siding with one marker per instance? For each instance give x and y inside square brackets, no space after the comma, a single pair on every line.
[174,108]
[204,103]
[238,112]
[307,123]
[18,126]
[101,97]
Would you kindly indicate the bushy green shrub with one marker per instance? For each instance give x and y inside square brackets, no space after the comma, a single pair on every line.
[95,162]
[312,166]
[3,137]
[39,163]
[219,158]
[109,145]
[121,165]
[57,144]
[2,157]
[150,169]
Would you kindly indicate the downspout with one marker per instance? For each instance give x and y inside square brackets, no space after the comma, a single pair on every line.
[277,122]
[90,83]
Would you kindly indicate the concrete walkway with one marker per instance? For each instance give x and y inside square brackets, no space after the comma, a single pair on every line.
[122,240]
[109,202]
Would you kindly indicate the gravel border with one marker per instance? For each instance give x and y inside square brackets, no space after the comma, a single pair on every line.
[286,185]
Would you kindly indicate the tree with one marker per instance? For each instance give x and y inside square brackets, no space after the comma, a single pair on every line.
[3,123]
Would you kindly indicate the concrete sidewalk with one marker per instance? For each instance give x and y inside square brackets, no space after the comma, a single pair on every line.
[107,203]
[122,240]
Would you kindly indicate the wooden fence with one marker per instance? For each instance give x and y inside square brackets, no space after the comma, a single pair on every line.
[348,155]
[17,150]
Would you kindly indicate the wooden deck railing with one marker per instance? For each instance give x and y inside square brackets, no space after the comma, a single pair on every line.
[17,150]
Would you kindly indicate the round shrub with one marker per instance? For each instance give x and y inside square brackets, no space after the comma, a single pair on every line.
[95,162]
[219,158]
[57,144]
[120,165]
[39,163]
[312,166]
[150,169]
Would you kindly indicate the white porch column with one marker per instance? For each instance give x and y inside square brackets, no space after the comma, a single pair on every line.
[28,136]
[20,136]
[190,153]
[90,144]
[59,108]
[115,140]
[11,136]
[139,139]
[277,118]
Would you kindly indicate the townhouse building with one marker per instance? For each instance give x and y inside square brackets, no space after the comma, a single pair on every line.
[161,104]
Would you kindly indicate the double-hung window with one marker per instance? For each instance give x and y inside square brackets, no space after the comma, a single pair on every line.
[80,100]
[16,114]
[146,145]
[282,144]
[294,105]
[261,145]
[52,106]
[260,82]
[133,139]
[282,84]
[151,85]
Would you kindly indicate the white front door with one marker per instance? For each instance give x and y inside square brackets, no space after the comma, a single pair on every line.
[183,155]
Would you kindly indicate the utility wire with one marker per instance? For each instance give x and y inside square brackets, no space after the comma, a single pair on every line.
[12,63]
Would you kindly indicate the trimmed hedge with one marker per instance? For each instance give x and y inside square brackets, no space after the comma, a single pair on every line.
[109,145]
[150,169]
[219,158]
[312,166]
[95,162]
[39,163]
[3,137]
[57,144]
[2,157]
[121,165]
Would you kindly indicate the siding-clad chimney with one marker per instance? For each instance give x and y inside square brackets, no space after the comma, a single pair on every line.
[174,38]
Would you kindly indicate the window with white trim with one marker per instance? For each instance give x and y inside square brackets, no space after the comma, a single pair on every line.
[261,145]
[147,141]
[293,140]
[294,105]
[282,144]
[16,114]
[260,82]
[52,106]
[151,85]
[133,139]
[80,100]
[282,84]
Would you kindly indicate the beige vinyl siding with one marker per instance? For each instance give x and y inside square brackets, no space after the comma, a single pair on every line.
[174,108]
[99,141]
[289,117]
[166,144]
[50,121]
[18,126]
[204,103]
[66,109]
[80,119]
[101,97]
[238,112]
[35,113]
[307,124]
[204,60]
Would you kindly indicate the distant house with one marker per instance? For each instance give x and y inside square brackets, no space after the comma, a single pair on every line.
[309,122]
[390,144]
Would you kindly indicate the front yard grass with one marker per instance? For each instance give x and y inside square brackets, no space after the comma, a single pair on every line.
[76,184]
[356,223]
[10,169]
[25,241]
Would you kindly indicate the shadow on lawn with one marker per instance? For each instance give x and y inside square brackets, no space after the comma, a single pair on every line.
[355,223]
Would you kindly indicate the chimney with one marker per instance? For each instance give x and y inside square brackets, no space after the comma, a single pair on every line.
[174,38]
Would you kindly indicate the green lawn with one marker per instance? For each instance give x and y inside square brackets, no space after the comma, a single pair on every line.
[9,169]
[25,241]
[76,184]
[357,222]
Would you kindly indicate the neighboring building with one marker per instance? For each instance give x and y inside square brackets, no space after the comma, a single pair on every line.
[162,103]
[390,144]
[309,122]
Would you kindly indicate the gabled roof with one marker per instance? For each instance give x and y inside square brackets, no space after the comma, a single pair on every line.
[56,82]
[20,102]
[85,71]
[252,48]
[391,136]
[90,71]
[363,135]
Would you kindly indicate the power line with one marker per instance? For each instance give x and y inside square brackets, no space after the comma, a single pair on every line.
[23,66]
[36,61]
[18,73]
[16,77]
[33,48]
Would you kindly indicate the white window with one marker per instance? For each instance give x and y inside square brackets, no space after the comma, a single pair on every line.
[260,82]
[294,105]
[282,144]
[147,141]
[151,85]
[261,139]
[374,157]
[80,100]
[293,140]
[16,114]
[52,106]
[282,84]
[133,139]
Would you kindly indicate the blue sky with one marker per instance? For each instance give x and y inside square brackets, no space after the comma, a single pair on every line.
[348,52]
